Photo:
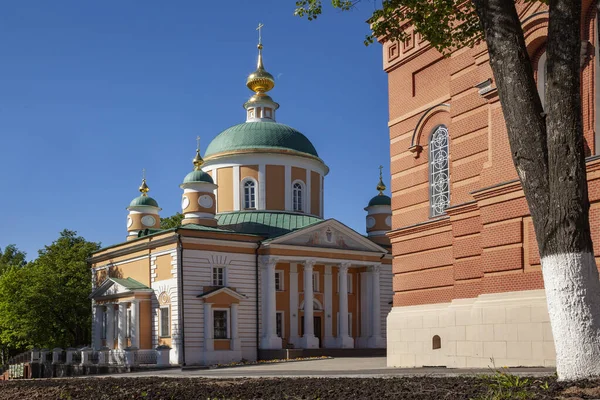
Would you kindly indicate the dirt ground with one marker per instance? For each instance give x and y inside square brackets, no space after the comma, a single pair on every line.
[293,388]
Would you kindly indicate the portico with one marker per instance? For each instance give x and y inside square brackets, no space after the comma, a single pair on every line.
[342,297]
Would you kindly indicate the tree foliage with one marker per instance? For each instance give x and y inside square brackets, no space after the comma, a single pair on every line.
[174,221]
[11,256]
[45,303]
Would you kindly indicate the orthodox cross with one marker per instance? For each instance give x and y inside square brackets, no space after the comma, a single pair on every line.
[380,168]
[197,142]
[259,29]
[144,174]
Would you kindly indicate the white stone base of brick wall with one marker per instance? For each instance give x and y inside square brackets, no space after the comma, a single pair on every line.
[493,330]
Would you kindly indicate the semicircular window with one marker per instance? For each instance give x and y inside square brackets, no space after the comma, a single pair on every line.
[439,176]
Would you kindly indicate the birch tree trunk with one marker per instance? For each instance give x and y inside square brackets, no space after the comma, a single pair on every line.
[548,153]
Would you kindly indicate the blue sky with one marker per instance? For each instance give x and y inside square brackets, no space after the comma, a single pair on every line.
[91,92]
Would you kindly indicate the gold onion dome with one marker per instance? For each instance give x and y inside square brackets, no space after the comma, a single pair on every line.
[260,81]
[144,189]
[197,161]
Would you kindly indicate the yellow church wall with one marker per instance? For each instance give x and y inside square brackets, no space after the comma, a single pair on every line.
[298,174]
[249,171]
[138,270]
[145,324]
[315,193]
[163,267]
[275,189]
[225,190]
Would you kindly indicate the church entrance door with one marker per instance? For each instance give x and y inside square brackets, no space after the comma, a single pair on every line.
[316,325]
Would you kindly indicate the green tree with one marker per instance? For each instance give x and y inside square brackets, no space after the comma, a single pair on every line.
[10,257]
[546,144]
[45,303]
[174,221]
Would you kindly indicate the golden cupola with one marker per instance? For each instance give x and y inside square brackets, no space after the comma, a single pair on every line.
[379,214]
[260,107]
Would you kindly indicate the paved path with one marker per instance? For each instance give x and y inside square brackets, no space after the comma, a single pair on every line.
[335,367]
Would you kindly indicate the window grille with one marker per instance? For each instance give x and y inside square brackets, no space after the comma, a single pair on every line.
[220,324]
[439,179]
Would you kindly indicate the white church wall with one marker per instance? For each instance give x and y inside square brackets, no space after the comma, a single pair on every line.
[240,274]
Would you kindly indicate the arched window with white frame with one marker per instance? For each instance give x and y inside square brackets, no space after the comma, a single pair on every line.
[439,173]
[298,196]
[249,186]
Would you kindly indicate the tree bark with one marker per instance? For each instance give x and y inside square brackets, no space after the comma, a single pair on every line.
[548,153]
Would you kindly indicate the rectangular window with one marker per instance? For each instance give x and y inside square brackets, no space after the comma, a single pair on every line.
[220,324]
[218,276]
[279,323]
[315,281]
[128,323]
[164,322]
[279,281]
[104,324]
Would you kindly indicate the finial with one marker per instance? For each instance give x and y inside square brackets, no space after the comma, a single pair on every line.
[380,186]
[259,65]
[197,161]
[144,189]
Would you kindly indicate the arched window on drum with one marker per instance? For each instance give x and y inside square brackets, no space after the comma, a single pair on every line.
[298,196]
[439,174]
[249,194]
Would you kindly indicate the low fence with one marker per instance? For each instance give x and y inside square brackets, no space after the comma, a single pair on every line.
[66,362]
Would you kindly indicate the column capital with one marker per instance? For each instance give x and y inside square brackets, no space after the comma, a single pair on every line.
[309,263]
[266,262]
[344,266]
[375,268]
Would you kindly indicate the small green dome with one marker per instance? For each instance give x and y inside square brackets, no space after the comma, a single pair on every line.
[260,135]
[143,201]
[198,176]
[380,200]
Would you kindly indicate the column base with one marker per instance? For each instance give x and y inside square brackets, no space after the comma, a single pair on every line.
[362,342]
[309,342]
[376,342]
[270,342]
[345,342]
[330,342]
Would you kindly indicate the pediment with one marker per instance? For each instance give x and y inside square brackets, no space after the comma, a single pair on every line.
[113,287]
[329,234]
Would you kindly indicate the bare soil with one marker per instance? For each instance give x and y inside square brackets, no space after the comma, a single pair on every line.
[291,388]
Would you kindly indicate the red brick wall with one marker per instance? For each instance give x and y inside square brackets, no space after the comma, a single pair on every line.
[486,242]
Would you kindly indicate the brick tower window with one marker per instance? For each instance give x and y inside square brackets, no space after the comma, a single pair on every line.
[439,176]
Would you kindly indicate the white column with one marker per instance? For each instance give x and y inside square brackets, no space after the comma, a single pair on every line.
[122,325]
[375,340]
[208,328]
[344,340]
[98,313]
[288,187]
[236,343]
[307,196]
[236,187]
[270,340]
[365,310]
[294,305]
[215,180]
[329,340]
[262,186]
[110,326]
[309,340]
[135,323]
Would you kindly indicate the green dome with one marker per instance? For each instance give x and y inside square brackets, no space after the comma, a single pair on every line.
[260,135]
[198,176]
[143,201]
[380,200]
